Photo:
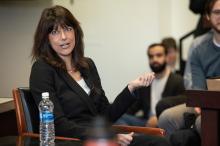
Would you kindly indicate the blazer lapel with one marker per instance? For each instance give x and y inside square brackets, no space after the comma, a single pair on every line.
[76,88]
[167,86]
[148,98]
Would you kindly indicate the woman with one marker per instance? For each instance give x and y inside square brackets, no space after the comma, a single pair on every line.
[71,79]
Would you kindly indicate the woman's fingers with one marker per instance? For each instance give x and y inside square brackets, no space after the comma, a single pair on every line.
[146,79]
[198,110]
[142,81]
[125,139]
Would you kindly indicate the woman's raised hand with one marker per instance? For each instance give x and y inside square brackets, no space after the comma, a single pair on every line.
[142,81]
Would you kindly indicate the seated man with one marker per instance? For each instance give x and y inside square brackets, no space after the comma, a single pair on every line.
[196,42]
[172,51]
[165,84]
[205,63]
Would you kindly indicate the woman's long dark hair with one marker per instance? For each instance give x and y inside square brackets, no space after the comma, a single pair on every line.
[51,18]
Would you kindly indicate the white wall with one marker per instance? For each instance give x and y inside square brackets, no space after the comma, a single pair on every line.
[183,21]
[117,33]
[116,36]
[177,20]
[18,19]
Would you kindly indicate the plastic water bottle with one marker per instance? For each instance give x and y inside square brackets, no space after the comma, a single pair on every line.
[47,131]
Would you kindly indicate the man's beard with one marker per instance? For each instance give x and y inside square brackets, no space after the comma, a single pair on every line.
[159,68]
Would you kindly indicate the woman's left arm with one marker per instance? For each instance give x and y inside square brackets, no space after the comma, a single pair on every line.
[124,99]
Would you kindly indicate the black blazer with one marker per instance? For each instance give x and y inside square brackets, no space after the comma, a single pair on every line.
[73,108]
[173,87]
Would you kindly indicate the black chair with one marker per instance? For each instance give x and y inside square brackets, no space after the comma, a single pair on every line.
[27,115]
[26,111]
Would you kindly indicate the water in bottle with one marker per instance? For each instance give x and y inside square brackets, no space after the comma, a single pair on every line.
[47,131]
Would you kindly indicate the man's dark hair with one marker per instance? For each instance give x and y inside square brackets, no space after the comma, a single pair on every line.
[157,44]
[209,6]
[169,42]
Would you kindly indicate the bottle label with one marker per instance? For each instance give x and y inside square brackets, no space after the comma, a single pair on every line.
[46,117]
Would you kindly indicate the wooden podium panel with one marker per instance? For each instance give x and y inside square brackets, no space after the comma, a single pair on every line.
[213,84]
[209,102]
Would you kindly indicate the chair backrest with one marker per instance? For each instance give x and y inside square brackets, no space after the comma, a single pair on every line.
[27,113]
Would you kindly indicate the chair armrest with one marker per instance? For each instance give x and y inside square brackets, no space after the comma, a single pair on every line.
[138,129]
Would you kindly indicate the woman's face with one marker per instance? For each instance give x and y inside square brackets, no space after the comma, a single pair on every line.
[62,40]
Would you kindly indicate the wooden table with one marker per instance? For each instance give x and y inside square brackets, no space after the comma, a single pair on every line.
[6,104]
[8,123]
[209,101]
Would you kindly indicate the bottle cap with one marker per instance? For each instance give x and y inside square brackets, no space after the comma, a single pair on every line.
[45,95]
